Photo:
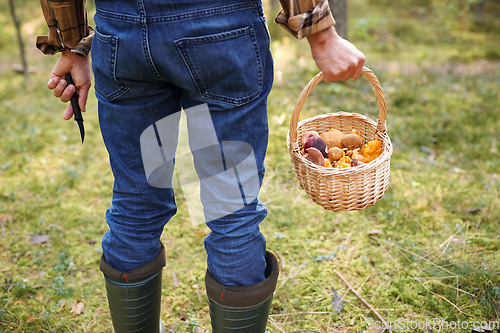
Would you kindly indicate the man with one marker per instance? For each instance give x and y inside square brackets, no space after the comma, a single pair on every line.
[152,58]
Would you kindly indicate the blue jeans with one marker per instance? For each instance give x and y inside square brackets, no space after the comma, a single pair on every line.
[152,58]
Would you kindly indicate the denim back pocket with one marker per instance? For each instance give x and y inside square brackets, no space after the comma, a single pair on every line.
[226,66]
[104,56]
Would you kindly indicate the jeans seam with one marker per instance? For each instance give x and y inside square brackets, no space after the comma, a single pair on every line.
[189,65]
[145,40]
[257,4]
[114,95]
[206,12]
[113,42]
[171,18]
[120,17]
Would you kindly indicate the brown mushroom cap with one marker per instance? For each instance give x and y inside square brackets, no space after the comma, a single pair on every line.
[333,138]
[352,141]
[335,154]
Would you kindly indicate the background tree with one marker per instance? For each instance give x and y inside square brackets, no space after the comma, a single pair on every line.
[479,10]
[17,24]
[339,11]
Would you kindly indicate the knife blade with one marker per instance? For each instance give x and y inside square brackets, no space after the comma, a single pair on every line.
[77,112]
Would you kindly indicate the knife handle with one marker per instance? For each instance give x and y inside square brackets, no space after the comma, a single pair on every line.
[74,99]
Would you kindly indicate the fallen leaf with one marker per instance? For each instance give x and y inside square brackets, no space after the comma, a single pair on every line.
[31,318]
[77,308]
[345,329]
[279,120]
[458,240]
[474,210]
[374,330]
[337,303]
[39,239]
[457,170]
[175,279]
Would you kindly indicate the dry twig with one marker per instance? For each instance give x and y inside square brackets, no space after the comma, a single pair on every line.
[282,260]
[362,299]
[275,324]
[298,313]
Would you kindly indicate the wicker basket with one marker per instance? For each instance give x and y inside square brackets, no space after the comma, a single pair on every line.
[353,188]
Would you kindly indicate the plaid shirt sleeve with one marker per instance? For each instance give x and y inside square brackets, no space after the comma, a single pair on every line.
[68,27]
[305,17]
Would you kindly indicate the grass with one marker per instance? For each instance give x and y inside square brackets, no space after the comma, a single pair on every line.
[427,253]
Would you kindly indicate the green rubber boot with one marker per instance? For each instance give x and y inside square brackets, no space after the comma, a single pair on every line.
[135,297]
[242,309]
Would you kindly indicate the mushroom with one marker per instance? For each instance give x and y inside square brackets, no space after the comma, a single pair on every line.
[318,143]
[335,154]
[356,154]
[315,156]
[306,136]
[355,131]
[352,141]
[333,138]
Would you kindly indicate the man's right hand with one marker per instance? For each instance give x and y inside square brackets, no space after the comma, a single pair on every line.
[336,57]
[79,68]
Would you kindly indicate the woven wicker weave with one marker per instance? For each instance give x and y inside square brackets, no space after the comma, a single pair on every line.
[353,188]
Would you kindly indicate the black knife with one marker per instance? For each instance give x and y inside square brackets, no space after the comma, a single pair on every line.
[77,112]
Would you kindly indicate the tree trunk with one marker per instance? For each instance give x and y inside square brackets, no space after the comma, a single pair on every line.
[479,10]
[275,5]
[339,11]
[19,38]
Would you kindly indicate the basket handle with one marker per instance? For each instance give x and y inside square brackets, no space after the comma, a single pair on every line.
[382,106]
